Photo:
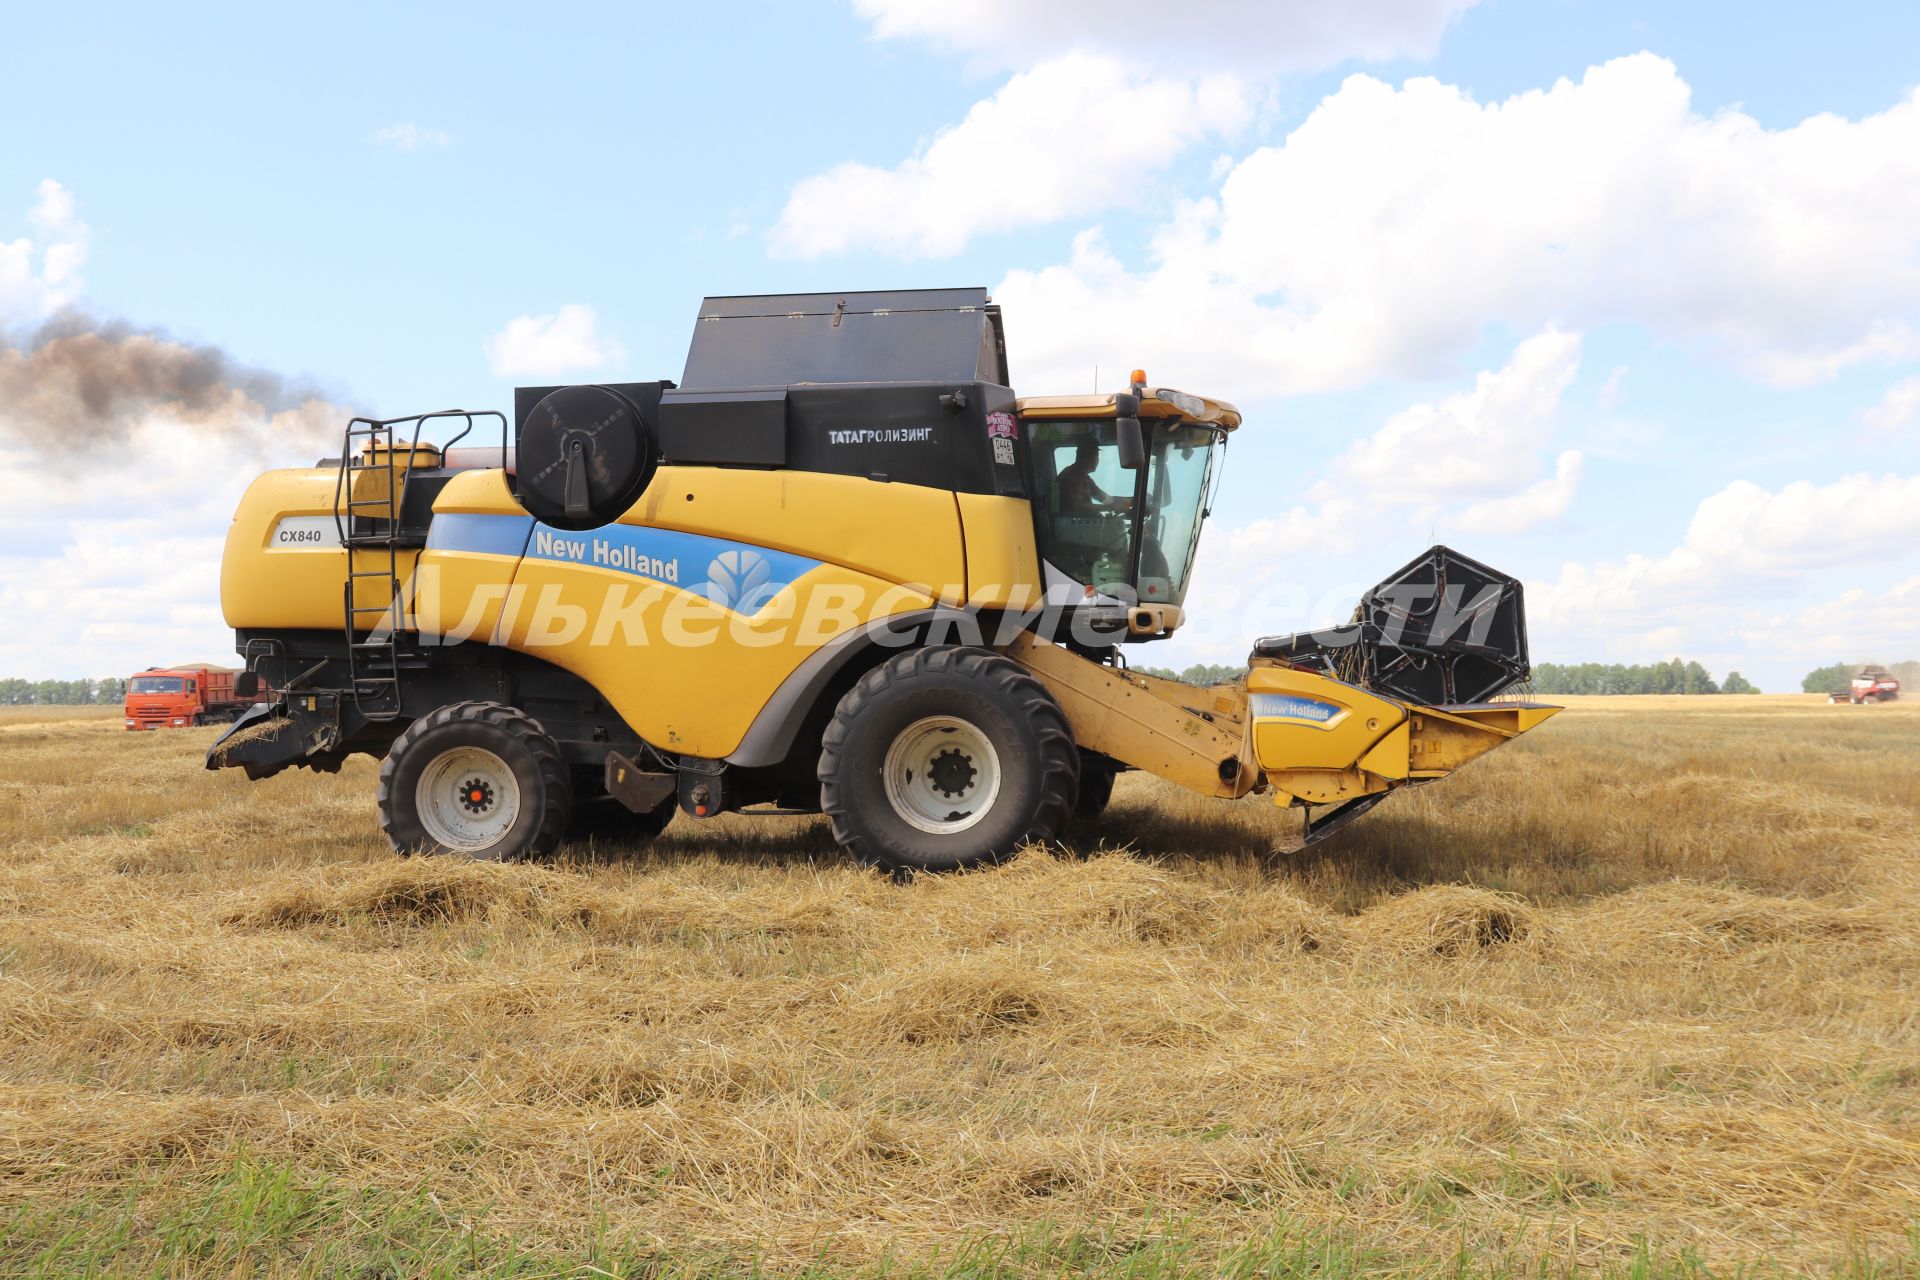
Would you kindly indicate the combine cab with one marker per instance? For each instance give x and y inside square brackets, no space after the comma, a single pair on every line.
[839,568]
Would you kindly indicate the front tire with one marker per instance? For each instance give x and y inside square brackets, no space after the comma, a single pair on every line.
[477,780]
[946,757]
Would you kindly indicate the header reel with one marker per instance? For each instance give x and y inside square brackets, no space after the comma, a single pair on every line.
[1444,630]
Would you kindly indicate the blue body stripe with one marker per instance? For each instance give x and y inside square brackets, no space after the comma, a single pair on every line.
[739,576]
[482,534]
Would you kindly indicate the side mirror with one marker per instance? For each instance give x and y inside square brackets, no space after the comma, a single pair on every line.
[1132,442]
[1127,433]
[246,684]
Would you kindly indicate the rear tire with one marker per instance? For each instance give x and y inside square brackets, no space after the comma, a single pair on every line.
[477,780]
[946,757]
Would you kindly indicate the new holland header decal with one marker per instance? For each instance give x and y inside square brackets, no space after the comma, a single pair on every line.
[1288,706]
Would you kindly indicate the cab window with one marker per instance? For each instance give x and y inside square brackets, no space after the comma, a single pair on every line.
[1086,519]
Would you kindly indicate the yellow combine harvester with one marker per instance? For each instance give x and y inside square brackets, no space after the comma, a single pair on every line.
[837,568]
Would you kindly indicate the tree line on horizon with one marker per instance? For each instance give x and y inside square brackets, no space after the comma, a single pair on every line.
[62,693]
[1674,676]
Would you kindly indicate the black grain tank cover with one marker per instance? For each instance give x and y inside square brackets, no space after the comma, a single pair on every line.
[894,335]
[584,453]
[907,386]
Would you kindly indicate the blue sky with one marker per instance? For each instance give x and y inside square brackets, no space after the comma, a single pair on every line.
[1647,339]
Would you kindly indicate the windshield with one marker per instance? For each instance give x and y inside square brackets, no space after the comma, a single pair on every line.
[1180,460]
[154,684]
[1088,522]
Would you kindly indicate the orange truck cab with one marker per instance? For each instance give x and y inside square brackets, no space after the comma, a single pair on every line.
[179,697]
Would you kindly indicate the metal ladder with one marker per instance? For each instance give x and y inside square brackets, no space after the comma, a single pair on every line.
[369,531]
[371,534]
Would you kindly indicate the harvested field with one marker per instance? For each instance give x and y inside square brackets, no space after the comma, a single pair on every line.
[1636,992]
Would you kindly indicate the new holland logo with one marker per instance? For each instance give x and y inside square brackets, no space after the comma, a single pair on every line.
[741,581]
[1286,706]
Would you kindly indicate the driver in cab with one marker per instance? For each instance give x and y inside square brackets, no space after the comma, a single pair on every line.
[1080,493]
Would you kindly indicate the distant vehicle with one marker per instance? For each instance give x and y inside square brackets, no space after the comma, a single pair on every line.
[180,697]
[1870,685]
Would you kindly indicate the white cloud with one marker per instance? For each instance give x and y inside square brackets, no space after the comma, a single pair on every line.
[1471,445]
[1742,542]
[1267,34]
[39,277]
[411,137]
[122,591]
[1898,409]
[1861,624]
[120,595]
[1394,225]
[1613,390]
[1069,137]
[1472,462]
[1534,505]
[568,341]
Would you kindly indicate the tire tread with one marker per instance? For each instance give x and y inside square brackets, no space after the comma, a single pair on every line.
[554,774]
[1059,783]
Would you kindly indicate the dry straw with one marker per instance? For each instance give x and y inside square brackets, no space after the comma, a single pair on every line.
[1648,972]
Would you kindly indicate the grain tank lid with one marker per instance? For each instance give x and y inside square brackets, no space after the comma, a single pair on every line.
[894,335]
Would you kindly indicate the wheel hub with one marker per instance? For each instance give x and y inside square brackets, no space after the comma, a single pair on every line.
[476,795]
[942,775]
[467,799]
[951,772]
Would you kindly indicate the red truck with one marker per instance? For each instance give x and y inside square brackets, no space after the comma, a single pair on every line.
[177,697]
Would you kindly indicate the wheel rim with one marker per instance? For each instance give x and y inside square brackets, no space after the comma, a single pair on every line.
[467,798]
[941,775]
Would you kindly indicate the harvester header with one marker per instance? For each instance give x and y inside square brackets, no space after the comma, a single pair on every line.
[838,567]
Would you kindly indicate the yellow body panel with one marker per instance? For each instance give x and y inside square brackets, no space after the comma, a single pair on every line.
[1307,721]
[1155,402]
[685,673]
[1311,739]
[900,532]
[1390,757]
[1003,563]
[283,566]
[1123,716]
[478,492]
[460,594]
[1322,742]
[1443,739]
